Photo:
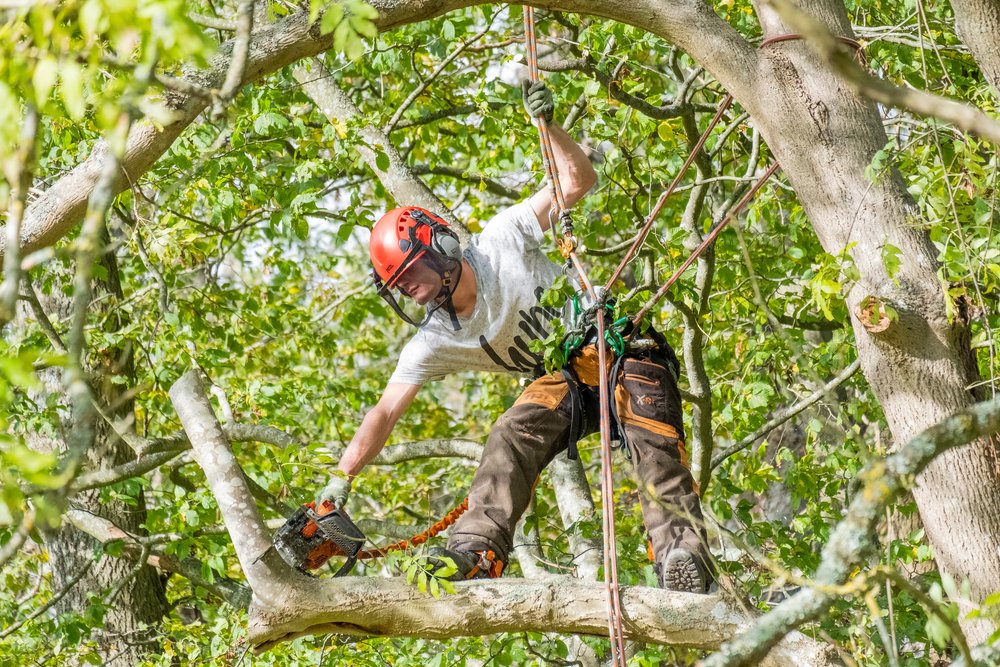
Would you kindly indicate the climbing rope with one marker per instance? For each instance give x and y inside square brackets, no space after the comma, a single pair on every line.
[567,245]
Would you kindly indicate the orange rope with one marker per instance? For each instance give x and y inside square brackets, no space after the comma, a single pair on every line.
[418,539]
[567,245]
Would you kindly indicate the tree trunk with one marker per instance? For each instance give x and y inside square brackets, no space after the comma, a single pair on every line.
[919,367]
[977,23]
[135,611]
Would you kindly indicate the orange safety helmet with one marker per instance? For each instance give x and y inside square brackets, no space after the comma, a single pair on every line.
[403,236]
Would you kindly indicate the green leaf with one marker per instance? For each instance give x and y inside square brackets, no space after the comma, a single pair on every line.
[268,121]
[891,259]
[448,30]
[71,90]
[382,161]
[44,78]
[331,18]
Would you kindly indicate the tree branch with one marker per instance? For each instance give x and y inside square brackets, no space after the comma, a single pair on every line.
[20,174]
[213,22]
[787,414]
[419,90]
[241,50]
[841,60]
[105,531]
[853,539]
[493,186]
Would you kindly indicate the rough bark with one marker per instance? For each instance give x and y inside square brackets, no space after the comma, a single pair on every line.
[977,23]
[287,604]
[138,607]
[920,365]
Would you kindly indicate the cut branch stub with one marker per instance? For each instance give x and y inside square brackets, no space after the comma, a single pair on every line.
[875,315]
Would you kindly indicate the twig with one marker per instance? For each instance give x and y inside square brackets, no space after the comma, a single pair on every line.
[419,90]
[461,110]
[241,51]
[11,629]
[18,538]
[20,177]
[43,320]
[932,607]
[213,22]
[787,414]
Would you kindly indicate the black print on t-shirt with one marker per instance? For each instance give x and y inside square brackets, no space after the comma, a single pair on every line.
[534,325]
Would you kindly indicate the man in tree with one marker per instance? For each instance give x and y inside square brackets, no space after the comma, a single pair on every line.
[479,310]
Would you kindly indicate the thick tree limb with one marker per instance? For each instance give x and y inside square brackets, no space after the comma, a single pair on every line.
[224,476]
[841,61]
[287,604]
[854,538]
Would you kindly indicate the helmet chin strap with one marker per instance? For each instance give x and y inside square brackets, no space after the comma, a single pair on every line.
[445,296]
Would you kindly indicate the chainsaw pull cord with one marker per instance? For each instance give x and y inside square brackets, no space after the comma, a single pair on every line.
[567,246]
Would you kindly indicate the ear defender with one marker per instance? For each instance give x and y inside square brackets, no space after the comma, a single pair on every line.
[447,244]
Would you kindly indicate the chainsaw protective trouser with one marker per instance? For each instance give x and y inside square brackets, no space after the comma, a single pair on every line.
[536,428]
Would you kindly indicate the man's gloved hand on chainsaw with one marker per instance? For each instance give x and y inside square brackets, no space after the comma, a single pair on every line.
[336,490]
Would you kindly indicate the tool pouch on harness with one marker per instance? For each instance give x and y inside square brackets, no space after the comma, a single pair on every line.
[650,348]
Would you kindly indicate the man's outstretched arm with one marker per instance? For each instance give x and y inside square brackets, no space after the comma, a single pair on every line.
[369,440]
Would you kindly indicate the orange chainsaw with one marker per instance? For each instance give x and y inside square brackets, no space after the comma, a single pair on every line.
[312,536]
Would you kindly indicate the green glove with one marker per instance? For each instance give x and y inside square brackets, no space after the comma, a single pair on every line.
[537,100]
[336,490]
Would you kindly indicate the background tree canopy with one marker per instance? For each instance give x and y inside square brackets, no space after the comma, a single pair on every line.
[226,161]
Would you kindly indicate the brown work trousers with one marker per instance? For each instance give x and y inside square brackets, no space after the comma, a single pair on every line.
[537,427]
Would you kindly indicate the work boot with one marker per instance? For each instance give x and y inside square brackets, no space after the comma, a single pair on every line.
[683,571]
[469,564]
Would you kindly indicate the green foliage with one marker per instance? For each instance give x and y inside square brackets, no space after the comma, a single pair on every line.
[242,251]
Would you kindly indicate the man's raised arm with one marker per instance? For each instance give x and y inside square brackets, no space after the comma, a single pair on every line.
[576,175]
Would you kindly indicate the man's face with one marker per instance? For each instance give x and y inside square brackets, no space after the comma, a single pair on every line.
[420,282]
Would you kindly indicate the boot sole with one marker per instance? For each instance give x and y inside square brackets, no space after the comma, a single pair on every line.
[682,573]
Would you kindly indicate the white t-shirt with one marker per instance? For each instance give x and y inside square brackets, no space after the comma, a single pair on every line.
[511,273]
